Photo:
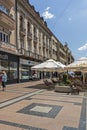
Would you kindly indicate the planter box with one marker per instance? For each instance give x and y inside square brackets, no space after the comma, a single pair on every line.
[64,89]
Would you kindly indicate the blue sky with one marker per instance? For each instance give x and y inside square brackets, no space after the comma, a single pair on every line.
[67,19]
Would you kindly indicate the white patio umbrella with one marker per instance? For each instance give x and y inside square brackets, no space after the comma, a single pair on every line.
[79,65]
[49,65]
[62,65]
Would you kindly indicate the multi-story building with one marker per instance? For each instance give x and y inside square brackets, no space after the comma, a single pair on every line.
[26,40]
[54,48]
[8,50]
[69,58]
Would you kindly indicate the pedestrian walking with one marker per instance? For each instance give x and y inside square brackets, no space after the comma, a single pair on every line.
[0,79]
[4,80]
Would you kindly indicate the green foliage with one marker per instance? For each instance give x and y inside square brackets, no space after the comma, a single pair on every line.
[68,82]
[65,80]
[65,77]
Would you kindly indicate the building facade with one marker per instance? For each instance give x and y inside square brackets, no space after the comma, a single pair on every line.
[8,50]
[26,40]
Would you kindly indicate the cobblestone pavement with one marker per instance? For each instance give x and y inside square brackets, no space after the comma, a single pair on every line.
[30,106]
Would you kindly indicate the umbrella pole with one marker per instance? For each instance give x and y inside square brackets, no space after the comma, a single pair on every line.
[67,74]
[83,77]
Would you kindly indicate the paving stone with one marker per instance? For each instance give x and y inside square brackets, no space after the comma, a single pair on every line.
[33,108]
[50,114]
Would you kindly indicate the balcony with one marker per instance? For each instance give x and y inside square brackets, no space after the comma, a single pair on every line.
[8,47]
[7,21]
[29,35]
[7,3]
[35,39]
[44,44]
[47,46]
[33,55]
[22,31]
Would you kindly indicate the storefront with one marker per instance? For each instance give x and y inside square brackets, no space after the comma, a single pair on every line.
[25,71]
[9,63]
[17,68]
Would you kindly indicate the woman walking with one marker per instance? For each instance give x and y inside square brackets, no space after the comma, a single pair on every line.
[4,80]
[0,79]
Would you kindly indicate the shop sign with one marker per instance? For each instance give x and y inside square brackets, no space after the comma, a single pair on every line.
[5,57]
[24,61]
[32,62]
[27,62]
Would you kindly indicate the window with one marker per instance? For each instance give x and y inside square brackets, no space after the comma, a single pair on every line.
[28,26]
[24,72]
[4,37]
[0,36]
[5,10]
[4,66]
[22,23]
[22,44]
[13,70]
[35,32]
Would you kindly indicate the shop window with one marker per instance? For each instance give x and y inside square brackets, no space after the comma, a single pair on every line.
[4,66]
[13,70]
[24,72]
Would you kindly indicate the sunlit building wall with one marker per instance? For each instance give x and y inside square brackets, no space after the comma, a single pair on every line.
[26,40]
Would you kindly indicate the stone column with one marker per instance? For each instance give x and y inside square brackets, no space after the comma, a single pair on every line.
[25,39]
[18,32]
[32,42]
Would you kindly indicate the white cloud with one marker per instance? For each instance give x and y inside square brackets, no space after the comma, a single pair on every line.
[47,14]
[47,8]
[70,19]
[84,47]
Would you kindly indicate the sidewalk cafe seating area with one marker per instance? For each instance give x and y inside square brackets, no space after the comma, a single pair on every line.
[49,84]
[73,86]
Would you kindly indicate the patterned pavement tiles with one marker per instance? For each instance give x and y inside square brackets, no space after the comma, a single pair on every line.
[44,110]
[20,125]
[16,90]
[11,101]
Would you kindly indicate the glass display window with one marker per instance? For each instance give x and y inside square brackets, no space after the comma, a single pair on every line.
[13,70]
[4,66]
[24,72]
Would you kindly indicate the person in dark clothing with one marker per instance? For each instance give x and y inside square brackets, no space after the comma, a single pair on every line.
[4,80]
